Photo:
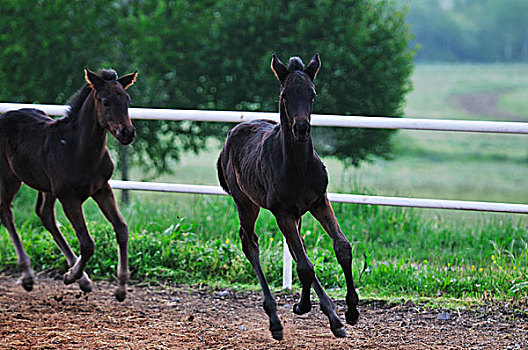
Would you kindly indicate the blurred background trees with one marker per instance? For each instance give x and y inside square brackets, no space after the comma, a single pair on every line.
[212,55]
[470,31]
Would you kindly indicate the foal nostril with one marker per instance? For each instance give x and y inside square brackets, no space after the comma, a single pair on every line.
[131,132]
[301,128]
[127,135]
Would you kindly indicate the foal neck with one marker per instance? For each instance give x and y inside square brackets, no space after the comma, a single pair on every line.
[91,136]
[296,155]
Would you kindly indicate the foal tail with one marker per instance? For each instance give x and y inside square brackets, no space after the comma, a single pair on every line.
[220,171]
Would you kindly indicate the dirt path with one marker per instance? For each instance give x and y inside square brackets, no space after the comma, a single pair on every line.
[484,104]
[55,316]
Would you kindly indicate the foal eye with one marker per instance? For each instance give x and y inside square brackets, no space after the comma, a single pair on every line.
[106,103]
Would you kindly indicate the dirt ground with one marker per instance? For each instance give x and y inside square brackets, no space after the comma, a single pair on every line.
[484,104]
[54,316]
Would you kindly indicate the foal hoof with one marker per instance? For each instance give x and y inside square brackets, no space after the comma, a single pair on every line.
[68,278]
[120,294]
[299,310]
[27,283]
[352,316]
[339,332]
[277,334]
[85,285]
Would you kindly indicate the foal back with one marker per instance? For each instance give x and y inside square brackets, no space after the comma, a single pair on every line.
[24,139]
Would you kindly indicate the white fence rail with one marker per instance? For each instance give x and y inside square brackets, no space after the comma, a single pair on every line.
[337,197]
[317,120]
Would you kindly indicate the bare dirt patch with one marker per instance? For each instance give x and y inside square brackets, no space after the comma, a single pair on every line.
[55,316]
[484,104]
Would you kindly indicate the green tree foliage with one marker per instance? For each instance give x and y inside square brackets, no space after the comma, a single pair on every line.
[212,55]
[44,46]
[165,41]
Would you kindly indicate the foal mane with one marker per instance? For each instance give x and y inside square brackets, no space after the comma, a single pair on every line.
[296,67]
[296,72]
[295,64]
[77,100]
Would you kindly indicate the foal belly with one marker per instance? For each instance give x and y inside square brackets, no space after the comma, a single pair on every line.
[295,203]
[34,177]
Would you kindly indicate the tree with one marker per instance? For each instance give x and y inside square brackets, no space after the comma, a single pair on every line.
[165,41]
[366,63]
[211,55]
[45,46]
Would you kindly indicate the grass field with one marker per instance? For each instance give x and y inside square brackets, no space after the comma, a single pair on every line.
[412,253]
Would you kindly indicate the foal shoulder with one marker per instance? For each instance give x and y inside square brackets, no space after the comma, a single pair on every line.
[318,175]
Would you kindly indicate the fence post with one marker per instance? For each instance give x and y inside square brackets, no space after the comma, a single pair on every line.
[286,266]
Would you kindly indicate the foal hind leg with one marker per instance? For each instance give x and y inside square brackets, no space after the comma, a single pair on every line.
[106,201]
[8,188]
[73,210]
[45,210]
[248,213]
[324,213]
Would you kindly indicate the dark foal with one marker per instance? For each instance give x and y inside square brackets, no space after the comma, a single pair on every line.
[274,166]
[67,159]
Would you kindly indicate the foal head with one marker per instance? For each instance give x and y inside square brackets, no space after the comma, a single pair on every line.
[297,94]
[111,103]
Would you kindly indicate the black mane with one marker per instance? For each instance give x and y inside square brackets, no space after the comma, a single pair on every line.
[77,100]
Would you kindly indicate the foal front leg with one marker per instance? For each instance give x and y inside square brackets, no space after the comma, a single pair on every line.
[324,213]
[289,226]
[73,210]
[291,230]
[106,201]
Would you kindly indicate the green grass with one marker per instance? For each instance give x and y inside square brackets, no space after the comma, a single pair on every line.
[515,101]
[194,239]
[458,165]
[435,83]
[410,253]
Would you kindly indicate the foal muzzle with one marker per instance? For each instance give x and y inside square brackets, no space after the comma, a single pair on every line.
[301,130]
[125,135]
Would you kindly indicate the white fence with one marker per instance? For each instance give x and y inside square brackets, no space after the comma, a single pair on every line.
[317,120]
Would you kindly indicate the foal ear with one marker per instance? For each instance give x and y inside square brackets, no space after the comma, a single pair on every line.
[280,70]
[313,67]
[93,79]
[128,80]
